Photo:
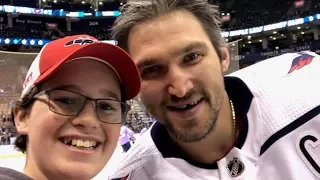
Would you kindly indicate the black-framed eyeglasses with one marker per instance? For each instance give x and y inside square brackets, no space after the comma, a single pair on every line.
[69,103]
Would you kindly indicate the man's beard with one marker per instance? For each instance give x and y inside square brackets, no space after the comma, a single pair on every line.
[195,130]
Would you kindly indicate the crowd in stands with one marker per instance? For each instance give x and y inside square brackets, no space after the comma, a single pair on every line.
[136,123]
[254,13]
[13,67]
[244,14]
[4,136]
[7,129]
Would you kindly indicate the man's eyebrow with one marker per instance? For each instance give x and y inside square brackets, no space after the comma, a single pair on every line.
[184,50]
[192,46]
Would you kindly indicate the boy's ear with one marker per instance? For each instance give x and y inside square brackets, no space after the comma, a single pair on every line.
[20,120]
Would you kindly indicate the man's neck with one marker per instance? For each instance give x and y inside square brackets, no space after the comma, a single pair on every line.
[218,143]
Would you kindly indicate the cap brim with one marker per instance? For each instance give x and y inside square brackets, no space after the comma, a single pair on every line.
[112,55]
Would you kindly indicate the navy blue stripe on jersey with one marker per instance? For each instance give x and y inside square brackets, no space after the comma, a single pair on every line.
[289,128]
[241,97]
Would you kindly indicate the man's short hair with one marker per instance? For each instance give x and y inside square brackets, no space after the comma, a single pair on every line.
[138,11]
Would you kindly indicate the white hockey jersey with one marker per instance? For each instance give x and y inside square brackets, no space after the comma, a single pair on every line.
[278,101]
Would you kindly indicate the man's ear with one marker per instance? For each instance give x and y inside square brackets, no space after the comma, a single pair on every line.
[225,59]
[20,120]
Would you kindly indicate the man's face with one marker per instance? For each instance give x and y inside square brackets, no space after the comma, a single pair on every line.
[182,82]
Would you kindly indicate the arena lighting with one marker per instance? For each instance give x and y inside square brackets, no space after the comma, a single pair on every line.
[40,42]
[24,41]
[318,16]
[7,41]
[36,42]
[32,42]
[311,18]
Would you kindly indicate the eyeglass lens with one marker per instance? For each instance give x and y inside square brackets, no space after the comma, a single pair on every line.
[70,104]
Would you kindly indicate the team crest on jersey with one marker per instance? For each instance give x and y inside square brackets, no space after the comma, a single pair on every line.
[235,167]
[122,178]
[300,62]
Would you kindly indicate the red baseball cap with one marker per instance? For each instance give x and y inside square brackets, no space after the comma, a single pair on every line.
[57,52]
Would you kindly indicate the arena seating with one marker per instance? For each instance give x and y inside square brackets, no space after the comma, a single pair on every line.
[244,14]
[13,68]
[248,13]
[138,117]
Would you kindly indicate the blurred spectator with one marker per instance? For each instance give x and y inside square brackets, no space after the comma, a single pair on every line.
[125,137]
[4,136]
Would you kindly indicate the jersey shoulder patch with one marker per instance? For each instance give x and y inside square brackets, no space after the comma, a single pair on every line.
[301,61]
